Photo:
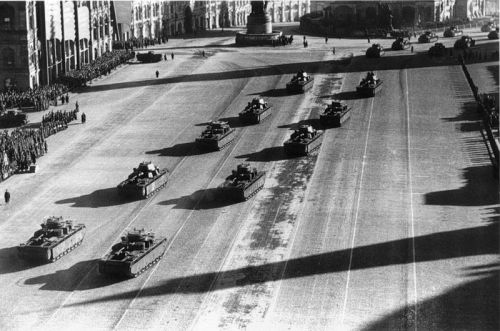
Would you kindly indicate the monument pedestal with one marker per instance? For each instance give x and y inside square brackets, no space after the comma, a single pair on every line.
[259,31]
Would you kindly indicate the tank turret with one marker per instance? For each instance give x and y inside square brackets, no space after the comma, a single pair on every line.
[336,113]
[216,136]
[144,181]
[137,251]
[243,182]
[300,83]
[56,238]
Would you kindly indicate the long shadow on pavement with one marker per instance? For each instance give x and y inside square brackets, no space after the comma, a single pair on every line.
[202,199]
[69,279]
[473,305]
[100,198]
[477,191]
[10,262]
[475,241]
[268,154]
[182,149]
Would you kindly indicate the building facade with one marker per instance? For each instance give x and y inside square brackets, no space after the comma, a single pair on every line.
[161,18]
[39,40]
[403,13]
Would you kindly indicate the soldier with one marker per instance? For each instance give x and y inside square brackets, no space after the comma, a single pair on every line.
[67,98]
[157,73]
[77,106]
[172,55]
[7,196]
[84,118]
[326,39]
[165,57]
[412,49]
[333,50]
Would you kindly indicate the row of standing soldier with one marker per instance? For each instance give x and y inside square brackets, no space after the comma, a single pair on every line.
[38,97]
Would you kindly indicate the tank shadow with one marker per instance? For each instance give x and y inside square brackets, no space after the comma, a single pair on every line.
[314,122]
[182,149]
[10,262]
[202,199]
[276,153]
[347,95]
[101,198]
[279,92]
[68,279]
[233,122]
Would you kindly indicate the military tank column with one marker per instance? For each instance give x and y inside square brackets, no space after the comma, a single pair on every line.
[400,44]
[300,83]
[135,253]
[255,112]
[144,181]
[369,85]
[427,37]
[56,238]
[303,141]
[336,113]
[375,51]
[243,183]
[216,136]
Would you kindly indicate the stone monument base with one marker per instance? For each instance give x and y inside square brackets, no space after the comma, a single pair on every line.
[257,39]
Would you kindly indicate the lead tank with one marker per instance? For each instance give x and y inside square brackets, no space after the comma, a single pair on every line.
[243,183]
[137,252]
[256,111]
[300,83]
[144,181]
[376,50]
[303,141]
[369,85]
[216,136]
[335,114]
[56,238]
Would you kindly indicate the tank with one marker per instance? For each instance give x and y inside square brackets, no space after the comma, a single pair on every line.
[335,114]
[427,37]
[490,26]
[256,111]
[300,83]
[376,50]
[12,118]
[437,50]
[464,42]
[56,238]
[135,253]
[243,183]
[149,57]
[216,136]
[452,31]
[400,44]
[493,34]
[369,85]
[144,181]
[303,141]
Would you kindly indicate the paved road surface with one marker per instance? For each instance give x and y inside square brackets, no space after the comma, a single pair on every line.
[392,224]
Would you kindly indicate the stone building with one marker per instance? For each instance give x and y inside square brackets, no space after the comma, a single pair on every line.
[469,9]
[39,40]
[161,18]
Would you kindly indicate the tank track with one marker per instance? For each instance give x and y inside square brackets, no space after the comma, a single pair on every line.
[66,251]
[255,192]
[225,145]
[150,264]
[312,150]
[155,191]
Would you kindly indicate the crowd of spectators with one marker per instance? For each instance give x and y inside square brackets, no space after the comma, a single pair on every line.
[101,66]
[38,97]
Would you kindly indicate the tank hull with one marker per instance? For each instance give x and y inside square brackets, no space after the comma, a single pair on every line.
[136,266]
[297,148]
[369,91]
[130,189]
[215,144]
[335,120]
[149,58]
[250,117]
[244,191]
[299,87]
[50,252]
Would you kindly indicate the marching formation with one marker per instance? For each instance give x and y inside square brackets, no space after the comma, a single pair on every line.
[38,98]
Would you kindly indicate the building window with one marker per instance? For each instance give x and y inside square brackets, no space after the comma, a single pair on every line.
[9,57]
[6,17]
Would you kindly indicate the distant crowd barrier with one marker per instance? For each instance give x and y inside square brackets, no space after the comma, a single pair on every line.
[488,113]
